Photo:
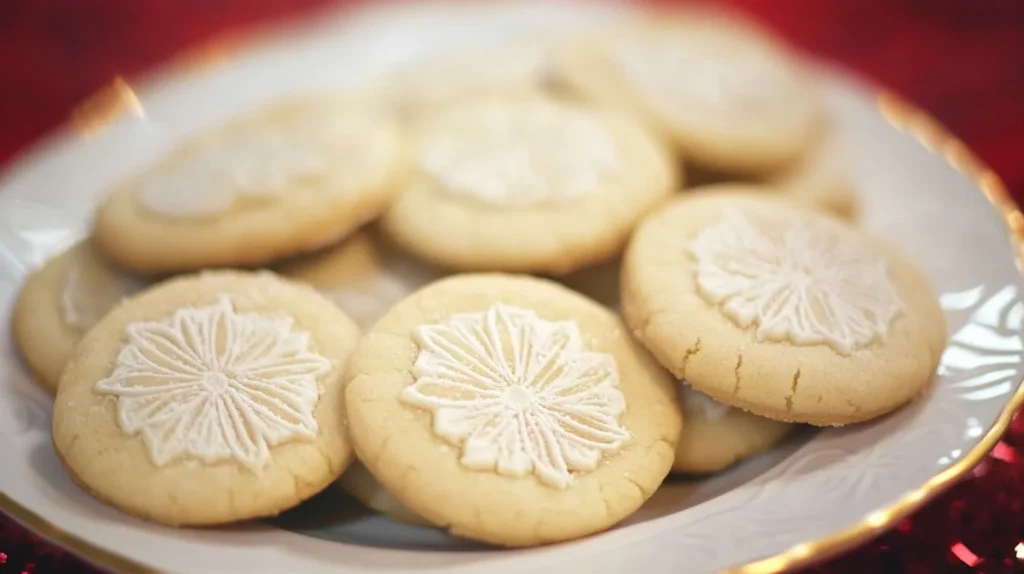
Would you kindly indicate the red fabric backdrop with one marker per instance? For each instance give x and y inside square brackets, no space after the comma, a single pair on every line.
[963,60]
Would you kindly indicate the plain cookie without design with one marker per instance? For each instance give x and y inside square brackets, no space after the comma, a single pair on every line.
[511,410]
[209,399]
[364,275]
[717,436]
[789,313]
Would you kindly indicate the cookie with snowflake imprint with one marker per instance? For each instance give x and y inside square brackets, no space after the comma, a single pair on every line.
[287,178]
[726,95]
[511,410]
[364,275]
[715,436]
[62,300]
[781,310]
[527,185]
[421,88]
[208,399]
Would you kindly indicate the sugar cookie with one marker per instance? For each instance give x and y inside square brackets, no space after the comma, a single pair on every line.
[717,436]
[820,178]
[208,399]
[287,179]
[780,310]
[511,410]
[422,87]
[361,485]
[365,275]
[725,96]
[527,185]
[62,300]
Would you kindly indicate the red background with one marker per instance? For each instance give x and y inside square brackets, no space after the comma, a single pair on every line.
[962,60]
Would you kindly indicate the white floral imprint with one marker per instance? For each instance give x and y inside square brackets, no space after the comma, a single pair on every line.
[211,384]
[523,154]
[256,161]
[674,71]
[795,279]
[520,394]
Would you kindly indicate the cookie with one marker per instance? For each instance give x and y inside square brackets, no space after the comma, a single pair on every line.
[289,178]
[60,302]
[530,184]
[364,275]
[208,399]
[420,88]
[725,96]
[821,178]
[511,410]
[361,485]
[716,436]
[781,310]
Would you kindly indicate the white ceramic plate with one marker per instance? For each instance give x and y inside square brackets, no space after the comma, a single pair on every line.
[816,494]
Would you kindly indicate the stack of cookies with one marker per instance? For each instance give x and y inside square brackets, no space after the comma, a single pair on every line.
[486,298]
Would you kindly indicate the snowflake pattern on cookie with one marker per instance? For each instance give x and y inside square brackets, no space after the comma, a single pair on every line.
[671,70]
[796,280]
[255,161]
[211,384]
[524,154]
[519,394]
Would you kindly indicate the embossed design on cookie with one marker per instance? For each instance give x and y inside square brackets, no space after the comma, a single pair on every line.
[253,162]
[519,394]
[519,155]
[795,280]
[211,384]
[673,70]
[90,291]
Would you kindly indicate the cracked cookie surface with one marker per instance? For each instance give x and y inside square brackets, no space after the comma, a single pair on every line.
[779,310]
[511,410]
[208,399]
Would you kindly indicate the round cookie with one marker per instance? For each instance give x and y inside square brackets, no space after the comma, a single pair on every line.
[726,96]
[364,275]
[820,178]
[511,410]
[286,179]
[421,88]
[716,436]
[527,184]
[361,485]
[59,302]
[209,399]
[781,310]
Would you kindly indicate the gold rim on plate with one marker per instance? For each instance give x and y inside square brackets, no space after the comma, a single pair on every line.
[117,98]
